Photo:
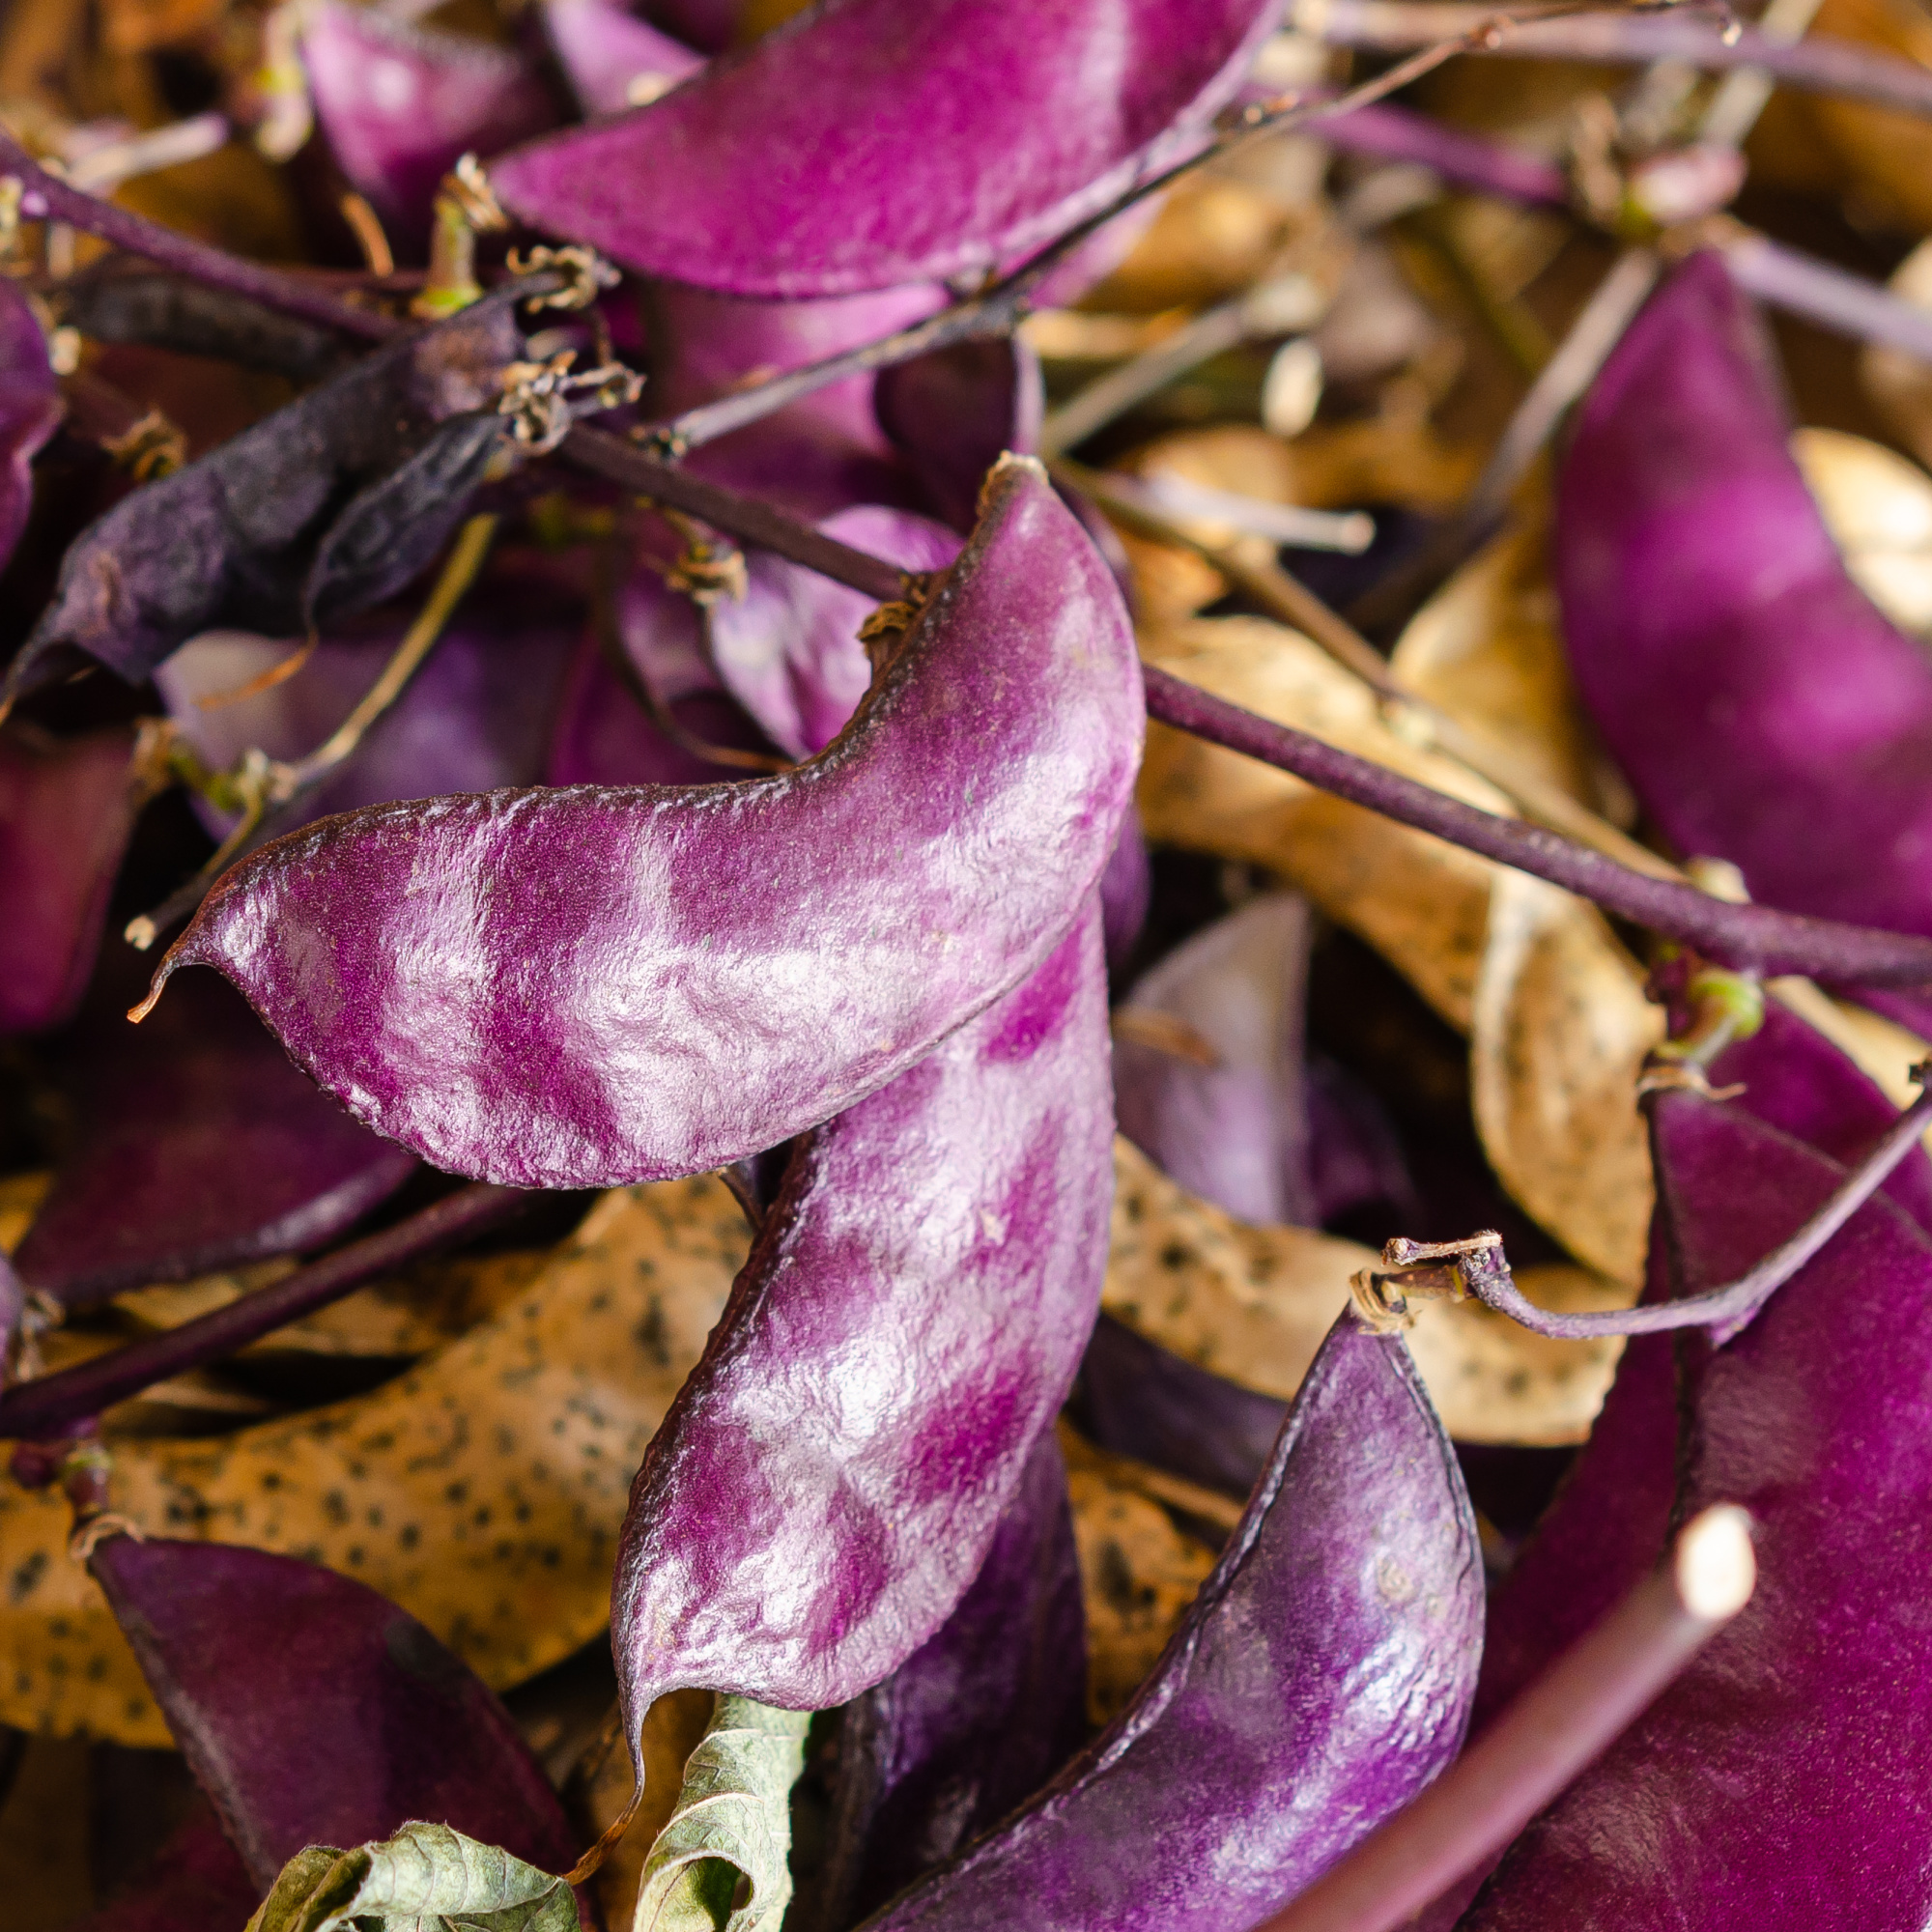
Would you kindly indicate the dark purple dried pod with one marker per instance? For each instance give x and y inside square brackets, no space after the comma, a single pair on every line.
[197,1145]
[195,1882]
[830,1478]
[30,408]
[400,104]
[313,1712]
[1320,1679]
[479,713]
[1137,1399]
[67,807]
[231,538]
[1763,708]
[948,138]
[705,24]
[788,650]
[1785,1772]
[974,1721]
[611,59]
[952,412]
[1207,1065]
[589,986]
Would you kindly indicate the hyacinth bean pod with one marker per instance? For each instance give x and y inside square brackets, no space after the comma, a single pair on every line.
[199,1147]
[193,1882]
[952,412]
[312,1711]
[29,408]
[584,987]
[830,1476]
[1782,1778]
[229,539]
[788,649]
[400,104]
[1219,1107]
[1763,708]
[611,59]
[860,147]
[973,1721]
[1320,1679]
[67,807]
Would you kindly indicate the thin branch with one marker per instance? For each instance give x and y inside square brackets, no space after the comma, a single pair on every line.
[1802,285]
[1394,134]
[274,789]
[1555,1729]
[1751,938]
[1715,42]
[54,1404]
[1483,1270]
[45,197]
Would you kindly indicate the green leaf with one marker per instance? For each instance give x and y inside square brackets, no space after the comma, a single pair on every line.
[731,1829]
[425,1878]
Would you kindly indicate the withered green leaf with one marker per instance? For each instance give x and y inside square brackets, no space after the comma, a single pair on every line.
[732,1828]
[425,1878]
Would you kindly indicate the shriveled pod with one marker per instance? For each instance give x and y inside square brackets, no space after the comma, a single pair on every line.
[947,138]
[402,104]
[580,986]
[831,1474]
[1763,708]
[1782,1778]
[974,1721]
[1320,1679]
[312,1711]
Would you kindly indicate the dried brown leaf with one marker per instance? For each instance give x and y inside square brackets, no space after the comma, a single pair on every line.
[1879,509]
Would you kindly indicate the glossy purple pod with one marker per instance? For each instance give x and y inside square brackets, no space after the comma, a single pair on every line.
[830,1478]
[400,104]
[1320,1680]
[584,987]
[1219,1106]
[195,1883]
[478,714]
[1356,1158]
[1781,1779]
[974,1721]
[952,412]
[230,538]
[314,1712]
[788,650]
[862,146]
[30,410]
[1138,1399]
[818,455]
[1763,708]
[67,807]
[197,1145]
[611,59]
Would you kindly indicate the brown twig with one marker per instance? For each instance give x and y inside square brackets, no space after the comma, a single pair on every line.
[1551,1733]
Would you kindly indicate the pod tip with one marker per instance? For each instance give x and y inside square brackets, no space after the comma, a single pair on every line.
[1714,1564]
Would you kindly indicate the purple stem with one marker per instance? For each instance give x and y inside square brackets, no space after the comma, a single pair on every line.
[1541,1741]
[55,1404]
[1749,938]
[1395,133]
[45,197]
[1818,63]
[1723,1309]
[1820,293]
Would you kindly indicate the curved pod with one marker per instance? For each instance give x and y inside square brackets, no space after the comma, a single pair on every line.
[956,132]
[571,989]
[829,1480]
[1321,1678]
